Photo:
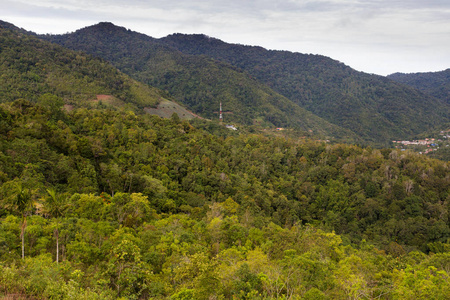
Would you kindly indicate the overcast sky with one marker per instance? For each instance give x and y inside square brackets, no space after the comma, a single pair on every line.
[374,36]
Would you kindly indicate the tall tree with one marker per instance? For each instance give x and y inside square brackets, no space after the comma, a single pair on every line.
[54,206]
[20,200]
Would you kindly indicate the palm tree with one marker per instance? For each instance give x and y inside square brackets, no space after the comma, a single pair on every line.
[54,206]
[21,201]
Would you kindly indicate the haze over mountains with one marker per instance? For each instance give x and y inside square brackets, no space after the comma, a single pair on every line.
[270,88]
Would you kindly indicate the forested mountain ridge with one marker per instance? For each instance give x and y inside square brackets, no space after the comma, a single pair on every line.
[7,25]
[141,207]
[374,107]
[32,68]
[198,82]
[436,84]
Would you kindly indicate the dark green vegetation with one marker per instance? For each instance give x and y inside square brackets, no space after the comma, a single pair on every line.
[104,203]
[200,83]
[436,84]
[374,107]
[31,68]
[201,71]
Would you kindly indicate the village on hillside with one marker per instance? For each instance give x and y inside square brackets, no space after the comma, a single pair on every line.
[427,145]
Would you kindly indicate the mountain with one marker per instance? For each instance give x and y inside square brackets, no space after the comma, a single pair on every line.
[199,82]
[250,80]
[34,70]
[374,107]
[436,84]
[6,25]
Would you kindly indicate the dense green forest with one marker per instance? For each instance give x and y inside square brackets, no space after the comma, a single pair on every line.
[102,201]
[436,84]
[198,82]
[376,108]
[31,68]
[141,207]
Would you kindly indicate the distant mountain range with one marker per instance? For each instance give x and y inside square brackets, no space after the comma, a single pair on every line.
[374,107]
[268,88]
[436,84]
[198,82]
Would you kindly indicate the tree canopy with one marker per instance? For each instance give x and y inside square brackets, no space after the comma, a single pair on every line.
[158,208]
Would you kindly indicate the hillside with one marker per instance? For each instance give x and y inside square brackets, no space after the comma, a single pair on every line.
[6,25]
[436,84]
[374,107]
[250,80]
[39,71]
[114,205]
[198,82]
[99,203]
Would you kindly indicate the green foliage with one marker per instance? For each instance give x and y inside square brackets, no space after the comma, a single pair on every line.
[53,76]
[375,108]
[353,191]
[436,84]
[198,82]
[184,294]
